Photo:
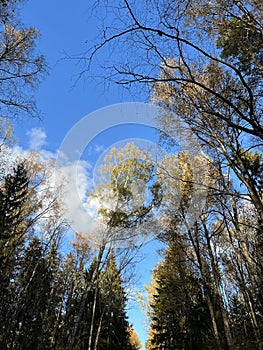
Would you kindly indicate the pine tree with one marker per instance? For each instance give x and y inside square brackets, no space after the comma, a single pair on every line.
[179,313]
[31,313]
[90,318]
[71,285]
[16,207]
[14,213]
[114,331]
[104,324]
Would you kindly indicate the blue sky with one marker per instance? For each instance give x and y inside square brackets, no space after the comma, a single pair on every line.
[65,28]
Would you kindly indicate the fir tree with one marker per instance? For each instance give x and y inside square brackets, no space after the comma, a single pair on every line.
[178,311]
[15,211]
[34,286]
[104,324]
[114,332]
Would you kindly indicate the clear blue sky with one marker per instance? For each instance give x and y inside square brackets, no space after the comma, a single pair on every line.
[65,28]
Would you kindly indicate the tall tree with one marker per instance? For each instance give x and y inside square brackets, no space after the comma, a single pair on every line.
[15,214]
[103,323]
[114,332]
[203,64]
[33,313]
[182,50]
[178,309]
[25,213]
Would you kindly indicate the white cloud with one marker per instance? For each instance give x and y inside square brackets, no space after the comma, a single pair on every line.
[76,182]
[37,138]
[72,178]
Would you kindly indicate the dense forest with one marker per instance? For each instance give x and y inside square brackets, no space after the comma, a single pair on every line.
[201,64]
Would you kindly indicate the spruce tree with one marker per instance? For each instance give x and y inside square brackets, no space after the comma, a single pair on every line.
[104,324]
[114,332]
[32,312]
[178,311]
[15,211]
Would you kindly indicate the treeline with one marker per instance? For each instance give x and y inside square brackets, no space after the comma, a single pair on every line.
[206,292]
[203,64]
[50,301]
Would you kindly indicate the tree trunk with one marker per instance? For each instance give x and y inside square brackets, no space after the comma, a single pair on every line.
[227,330]
[213,319]
[98,332]
[85,296]
[195,242]
[93,318]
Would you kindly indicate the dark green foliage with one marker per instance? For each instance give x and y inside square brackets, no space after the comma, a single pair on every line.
[32,304]
[114,333]
[179,312]
[14,212]
[34,288]
[91,309]
[104,324]
[29,288]
[14,216]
